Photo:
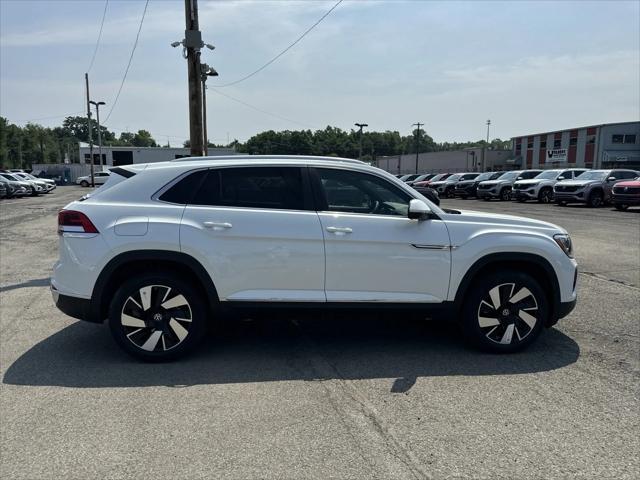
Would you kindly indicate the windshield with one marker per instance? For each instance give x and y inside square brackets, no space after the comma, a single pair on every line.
[485,176]
[509,175]
[8,176]
[548,175]
[453,178]
[593,175]
[468,176]
[437,177]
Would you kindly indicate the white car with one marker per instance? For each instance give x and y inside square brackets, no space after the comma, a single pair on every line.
[99,178]
[540,187]
[46,184]
[163,249]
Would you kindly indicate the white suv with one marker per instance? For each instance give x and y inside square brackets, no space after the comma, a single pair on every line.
[164,249]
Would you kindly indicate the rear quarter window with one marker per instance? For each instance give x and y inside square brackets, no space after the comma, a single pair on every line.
[184,189]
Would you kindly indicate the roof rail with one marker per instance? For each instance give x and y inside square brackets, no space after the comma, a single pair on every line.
[271,157]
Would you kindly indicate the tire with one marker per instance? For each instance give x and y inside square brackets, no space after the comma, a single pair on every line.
[621,206]
[561,203]
[545,195]
[486,199]
[84,183]
[135,328]
[521,199]
[511,325]
[505,194]
[464,197]
[448,193]
[595,199]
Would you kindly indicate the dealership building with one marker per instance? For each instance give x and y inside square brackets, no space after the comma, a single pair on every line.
[117,156]
[611,145]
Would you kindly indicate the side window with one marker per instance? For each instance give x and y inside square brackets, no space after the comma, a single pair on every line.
[356,192]
[182,191]
[629,174]
[618,174]
[253,187]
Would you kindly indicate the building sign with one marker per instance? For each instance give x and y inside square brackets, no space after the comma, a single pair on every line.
[557,155]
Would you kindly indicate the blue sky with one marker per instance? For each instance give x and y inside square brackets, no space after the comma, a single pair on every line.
[528,66]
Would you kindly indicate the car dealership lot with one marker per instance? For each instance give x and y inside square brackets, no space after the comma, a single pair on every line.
[367,397]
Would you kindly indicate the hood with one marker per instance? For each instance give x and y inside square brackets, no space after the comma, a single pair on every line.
[628,183]
[437,184]
[531,181]
[490,182]
[576,183]
[466,182]
[496,220]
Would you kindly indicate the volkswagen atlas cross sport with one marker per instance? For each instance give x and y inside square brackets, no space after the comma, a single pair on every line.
[502,186]
[540,187]
[592,187]
[161,250]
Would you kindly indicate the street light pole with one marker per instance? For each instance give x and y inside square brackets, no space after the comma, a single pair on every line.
[205,72]
[361,126]
[417,142]
[486,148]
[86,80]
[97,105]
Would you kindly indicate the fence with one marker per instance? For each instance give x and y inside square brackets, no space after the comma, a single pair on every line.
[62,173]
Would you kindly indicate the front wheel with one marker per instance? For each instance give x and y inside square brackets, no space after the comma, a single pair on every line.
[505,311]
[157,317]
[595,199]
[545,195]
[505,194]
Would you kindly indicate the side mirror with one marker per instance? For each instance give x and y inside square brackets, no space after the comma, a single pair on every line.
[560,178]
[418,209]
[611,179]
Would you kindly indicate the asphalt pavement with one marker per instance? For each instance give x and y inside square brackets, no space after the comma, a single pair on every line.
[325,396]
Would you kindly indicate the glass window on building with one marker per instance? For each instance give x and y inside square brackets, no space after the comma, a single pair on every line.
[573,141]
[557,143]
[617,138]
[629,139]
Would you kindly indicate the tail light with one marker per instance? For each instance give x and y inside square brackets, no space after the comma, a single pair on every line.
[73,221]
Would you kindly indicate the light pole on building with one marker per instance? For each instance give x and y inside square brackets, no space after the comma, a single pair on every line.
[97,105]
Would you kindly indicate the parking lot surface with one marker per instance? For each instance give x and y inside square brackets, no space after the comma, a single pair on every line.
[333,397]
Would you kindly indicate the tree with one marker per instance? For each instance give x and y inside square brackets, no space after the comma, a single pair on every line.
[143,139]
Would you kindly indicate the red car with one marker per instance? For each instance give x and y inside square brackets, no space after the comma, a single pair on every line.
[626,193]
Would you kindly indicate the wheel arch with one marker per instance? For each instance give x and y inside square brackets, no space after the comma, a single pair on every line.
[535,265]
[127,264]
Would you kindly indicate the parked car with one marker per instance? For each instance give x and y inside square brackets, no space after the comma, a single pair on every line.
[501,188]
[626,194]
[160,252]
[593,187]
[99,178]
[437,178]
[541,186]
[468,188]
[22,187]
[446,187]
[421,178]
[44,186]
[4,189]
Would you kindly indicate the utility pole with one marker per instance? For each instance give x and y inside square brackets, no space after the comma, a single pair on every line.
[205,72]
[86,80]
[361,126]
[97,105]
[417,141]
[192,44]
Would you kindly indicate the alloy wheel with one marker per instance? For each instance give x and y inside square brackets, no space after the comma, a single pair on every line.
[508,313]
[546,196]
[156,318]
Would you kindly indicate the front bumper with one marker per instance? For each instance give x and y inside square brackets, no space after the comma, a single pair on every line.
[628,199]
[492,193]
[569,197]
[529,194]
[465,192]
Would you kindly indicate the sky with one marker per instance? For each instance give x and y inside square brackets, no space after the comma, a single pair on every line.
[528,66]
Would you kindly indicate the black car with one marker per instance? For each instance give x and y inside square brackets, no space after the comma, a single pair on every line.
[468,188]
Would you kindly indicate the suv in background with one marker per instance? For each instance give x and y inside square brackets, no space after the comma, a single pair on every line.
[593,187]
[502,186]
[541,187]
[446,187]
[99,178]
[421,178]
[163,249]
[468,188]
[626,193]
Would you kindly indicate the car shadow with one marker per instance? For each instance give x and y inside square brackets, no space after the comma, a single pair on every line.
[36,282]
[310,348]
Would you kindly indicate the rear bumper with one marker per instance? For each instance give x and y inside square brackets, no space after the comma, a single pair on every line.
[75,307]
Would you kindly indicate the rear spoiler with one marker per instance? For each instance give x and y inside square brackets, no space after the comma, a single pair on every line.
[122,172]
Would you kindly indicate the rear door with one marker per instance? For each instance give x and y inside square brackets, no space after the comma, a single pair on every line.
[374,252]
[255,231]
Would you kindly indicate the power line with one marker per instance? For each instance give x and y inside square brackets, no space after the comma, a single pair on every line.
[262,111]
[135,44]
[104,14]
[49,117]
[283,51]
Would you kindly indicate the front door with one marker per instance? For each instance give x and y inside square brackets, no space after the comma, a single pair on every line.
[374,252]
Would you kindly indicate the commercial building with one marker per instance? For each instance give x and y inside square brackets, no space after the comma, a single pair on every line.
[466,160]
[609,145]
[117,156]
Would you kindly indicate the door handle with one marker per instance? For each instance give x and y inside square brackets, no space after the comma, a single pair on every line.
[339,230]
[217,225]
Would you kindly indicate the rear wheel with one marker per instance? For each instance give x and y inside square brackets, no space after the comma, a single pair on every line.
[157,317]
[505,311]
[84,183]
[621,206]
[545,195]
[595,199]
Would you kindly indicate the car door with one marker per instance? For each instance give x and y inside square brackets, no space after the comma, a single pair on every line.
[374,252]
[256,232]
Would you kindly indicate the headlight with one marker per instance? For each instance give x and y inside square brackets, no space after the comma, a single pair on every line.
[564,242]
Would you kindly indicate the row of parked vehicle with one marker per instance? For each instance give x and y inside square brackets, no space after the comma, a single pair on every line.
[621,187]
[18,183]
